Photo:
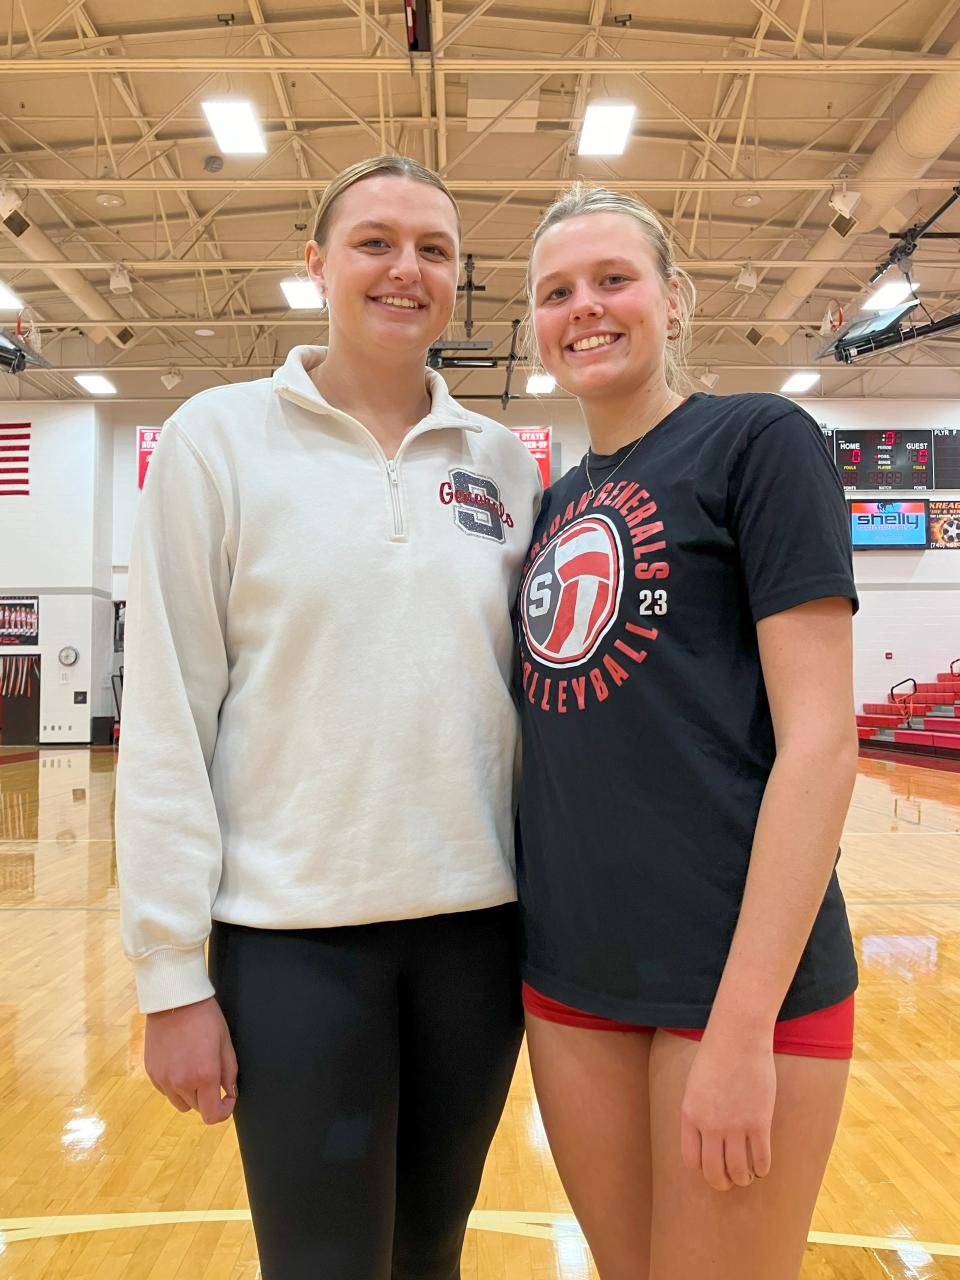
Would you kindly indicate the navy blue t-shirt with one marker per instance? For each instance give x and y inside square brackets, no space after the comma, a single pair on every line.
[647,737]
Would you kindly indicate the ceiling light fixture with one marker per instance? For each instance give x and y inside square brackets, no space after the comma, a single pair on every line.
[890,294]
[797,383]
[709,378]
[172,378]
[747,199]
[302,295]
[540,384]
[204,333]
[96,384]
[110,199]
[9,300]
[235,127]
[606,128]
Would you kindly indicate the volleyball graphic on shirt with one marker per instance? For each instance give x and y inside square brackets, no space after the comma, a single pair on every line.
[572,592]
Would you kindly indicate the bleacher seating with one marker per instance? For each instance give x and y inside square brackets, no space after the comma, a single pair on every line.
[925,722]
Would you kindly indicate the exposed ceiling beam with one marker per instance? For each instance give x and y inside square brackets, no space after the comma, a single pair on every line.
[187,266]
[534,87]
[457,32]
[595,19]
[281,319]
[539,185]
[718,34]
[715,362]
[896,65]
[726,225]
[341,126]
[439,86]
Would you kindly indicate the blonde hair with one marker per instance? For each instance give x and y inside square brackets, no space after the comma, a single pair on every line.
[375,166]
[581,199]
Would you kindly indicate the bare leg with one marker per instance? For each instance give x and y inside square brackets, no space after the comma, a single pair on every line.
[761,1230]
[593,1095]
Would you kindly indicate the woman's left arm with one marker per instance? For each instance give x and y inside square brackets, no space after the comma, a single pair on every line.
[806,655]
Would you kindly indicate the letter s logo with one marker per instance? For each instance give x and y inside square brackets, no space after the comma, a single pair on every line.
[481,520]
[538,594]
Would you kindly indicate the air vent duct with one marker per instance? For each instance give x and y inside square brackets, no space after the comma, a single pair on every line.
[35,244]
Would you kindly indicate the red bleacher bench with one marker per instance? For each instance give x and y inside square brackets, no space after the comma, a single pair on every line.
[865,731]
[942,724]
[946,741]
[879,722]
[914,736]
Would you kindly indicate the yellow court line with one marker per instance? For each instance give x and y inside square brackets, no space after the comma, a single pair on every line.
[545,1226]
[885,1243]
[912,835]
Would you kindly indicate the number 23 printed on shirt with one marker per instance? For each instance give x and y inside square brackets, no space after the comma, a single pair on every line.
[653,602]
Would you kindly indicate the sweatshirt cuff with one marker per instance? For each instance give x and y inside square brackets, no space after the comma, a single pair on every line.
[169,978]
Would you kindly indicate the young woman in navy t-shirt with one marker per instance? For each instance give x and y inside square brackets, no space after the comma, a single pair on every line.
[689,754]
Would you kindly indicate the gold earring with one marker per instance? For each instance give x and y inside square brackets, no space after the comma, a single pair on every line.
[674,334]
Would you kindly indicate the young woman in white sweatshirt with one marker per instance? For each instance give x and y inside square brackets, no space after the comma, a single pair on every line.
[318,752]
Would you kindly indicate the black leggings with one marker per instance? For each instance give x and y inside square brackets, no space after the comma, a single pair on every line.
[374,1062]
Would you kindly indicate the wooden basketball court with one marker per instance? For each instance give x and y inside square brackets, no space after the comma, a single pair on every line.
[101,1179]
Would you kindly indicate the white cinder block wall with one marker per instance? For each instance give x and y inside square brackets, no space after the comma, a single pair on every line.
[55,544]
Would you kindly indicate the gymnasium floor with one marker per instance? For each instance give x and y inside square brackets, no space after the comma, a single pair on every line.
[100,1177]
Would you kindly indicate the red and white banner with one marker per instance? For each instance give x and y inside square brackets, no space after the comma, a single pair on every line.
[147,438]
[14,459]
[537,440]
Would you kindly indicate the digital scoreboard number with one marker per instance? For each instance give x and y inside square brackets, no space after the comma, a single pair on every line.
[884,459]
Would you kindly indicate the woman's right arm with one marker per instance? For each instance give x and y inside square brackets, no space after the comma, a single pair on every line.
[168,836]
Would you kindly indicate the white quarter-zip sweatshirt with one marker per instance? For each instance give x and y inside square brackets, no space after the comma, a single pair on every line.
[317,721]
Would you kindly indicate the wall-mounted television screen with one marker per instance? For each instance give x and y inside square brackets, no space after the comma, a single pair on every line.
[884,525]
[944,525]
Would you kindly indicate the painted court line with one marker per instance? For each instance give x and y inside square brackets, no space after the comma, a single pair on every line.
[545,1226]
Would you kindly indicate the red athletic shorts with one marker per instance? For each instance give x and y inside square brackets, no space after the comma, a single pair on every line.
[827,1033]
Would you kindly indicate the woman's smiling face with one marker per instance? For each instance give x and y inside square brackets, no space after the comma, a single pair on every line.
[601,311]
[390,265]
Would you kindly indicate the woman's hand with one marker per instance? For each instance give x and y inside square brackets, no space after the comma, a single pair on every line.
[727,1112]
[189,1057]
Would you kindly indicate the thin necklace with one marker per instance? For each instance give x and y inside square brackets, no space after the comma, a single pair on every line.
[586,456]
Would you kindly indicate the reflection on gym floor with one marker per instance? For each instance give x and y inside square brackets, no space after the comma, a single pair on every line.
[100,1177]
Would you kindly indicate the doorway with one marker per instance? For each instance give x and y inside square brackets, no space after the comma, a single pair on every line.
[20,700]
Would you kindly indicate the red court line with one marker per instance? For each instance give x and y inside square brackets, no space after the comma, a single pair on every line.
[29,755]
[944,763]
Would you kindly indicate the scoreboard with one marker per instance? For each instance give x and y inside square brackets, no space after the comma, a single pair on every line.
[884,459]
[911,461]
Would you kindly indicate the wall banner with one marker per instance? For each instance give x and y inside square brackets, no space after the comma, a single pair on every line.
[537,440]
[147,438]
